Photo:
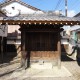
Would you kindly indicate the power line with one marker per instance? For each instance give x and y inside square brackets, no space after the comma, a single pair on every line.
[75,4]
[58,4]
[61,4]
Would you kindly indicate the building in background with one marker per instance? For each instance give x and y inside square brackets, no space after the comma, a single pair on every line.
[12,8]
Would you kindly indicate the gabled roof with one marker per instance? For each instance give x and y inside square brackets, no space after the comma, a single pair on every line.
[7,2]
[77,15]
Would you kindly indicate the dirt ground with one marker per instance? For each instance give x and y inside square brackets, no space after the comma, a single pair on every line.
[7,69]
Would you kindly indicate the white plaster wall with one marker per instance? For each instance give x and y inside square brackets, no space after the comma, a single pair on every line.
[18,7]
[64,41]
[13,28]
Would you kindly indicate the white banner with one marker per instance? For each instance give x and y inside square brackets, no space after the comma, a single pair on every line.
[3,30]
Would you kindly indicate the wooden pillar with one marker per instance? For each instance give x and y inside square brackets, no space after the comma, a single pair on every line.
[4,45]
[59,51]
[23,50]
[2,49]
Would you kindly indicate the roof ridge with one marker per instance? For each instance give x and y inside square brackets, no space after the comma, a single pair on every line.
[19,1]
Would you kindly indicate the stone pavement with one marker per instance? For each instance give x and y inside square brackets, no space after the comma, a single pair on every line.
[72,66]
[39,72]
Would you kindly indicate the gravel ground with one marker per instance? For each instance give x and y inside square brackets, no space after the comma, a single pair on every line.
[72,66]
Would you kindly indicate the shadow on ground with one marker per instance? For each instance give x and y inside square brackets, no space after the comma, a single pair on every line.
[9,55]
[64,56]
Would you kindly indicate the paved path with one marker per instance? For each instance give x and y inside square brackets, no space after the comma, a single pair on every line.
[72,66]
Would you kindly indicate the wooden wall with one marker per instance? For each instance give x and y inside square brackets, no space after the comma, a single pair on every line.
[40,41]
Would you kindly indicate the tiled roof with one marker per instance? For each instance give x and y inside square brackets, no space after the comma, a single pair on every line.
[76,27]
[42,17]
[77,15]
[5,3]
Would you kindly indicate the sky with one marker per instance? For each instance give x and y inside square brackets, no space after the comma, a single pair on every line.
[52,5]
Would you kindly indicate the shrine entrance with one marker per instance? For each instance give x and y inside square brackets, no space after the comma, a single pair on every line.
[41,43]
[40,36]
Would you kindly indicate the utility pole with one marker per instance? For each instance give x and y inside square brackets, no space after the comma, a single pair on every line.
[66,8]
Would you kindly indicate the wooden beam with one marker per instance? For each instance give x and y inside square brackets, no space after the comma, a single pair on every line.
[50,22]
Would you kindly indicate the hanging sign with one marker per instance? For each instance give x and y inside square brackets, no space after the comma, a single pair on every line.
[3,30]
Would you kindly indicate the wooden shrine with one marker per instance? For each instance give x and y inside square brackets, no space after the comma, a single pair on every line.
[40,36]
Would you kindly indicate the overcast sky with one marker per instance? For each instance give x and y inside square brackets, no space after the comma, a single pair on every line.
[73,5]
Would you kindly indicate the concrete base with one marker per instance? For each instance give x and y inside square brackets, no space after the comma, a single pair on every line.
[42,66]
[37,70]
